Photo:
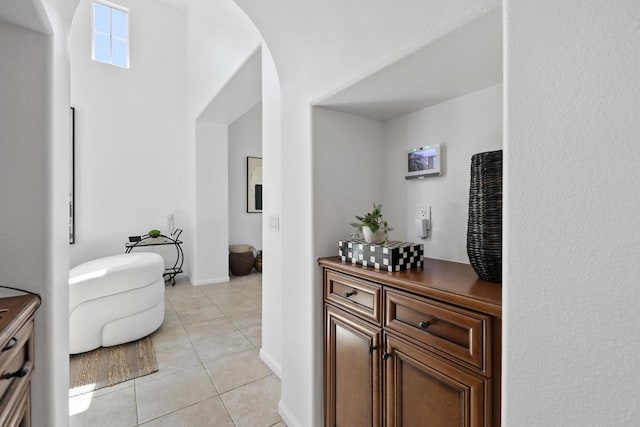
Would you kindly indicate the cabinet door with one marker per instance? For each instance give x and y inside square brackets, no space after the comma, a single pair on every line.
[424,390]
[352,371]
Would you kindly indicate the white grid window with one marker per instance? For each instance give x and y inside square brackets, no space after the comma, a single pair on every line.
[110,34]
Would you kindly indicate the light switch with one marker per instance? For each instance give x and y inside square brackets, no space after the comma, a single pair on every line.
[274,223]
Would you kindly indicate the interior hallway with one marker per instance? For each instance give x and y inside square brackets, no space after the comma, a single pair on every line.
[209,373]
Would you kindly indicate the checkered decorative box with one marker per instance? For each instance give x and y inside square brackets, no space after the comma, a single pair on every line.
[395,256]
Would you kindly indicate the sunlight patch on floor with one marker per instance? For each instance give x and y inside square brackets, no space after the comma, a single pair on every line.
[81,400]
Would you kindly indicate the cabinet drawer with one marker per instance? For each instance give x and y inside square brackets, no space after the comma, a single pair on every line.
[448,330]
[15,355]
[357,296]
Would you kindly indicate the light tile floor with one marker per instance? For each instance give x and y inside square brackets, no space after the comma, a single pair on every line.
[209,373]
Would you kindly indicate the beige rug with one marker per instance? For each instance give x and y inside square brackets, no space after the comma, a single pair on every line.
[107,366]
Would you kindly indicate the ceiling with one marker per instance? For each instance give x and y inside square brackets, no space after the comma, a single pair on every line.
[178,4]
[22,13]
[25,13]
[240,93]
[463,61]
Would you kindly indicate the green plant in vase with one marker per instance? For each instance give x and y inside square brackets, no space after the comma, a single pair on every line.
[154,233]
[372,226]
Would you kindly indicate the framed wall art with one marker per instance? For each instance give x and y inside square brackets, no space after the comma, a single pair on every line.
[254,185]
[72,180]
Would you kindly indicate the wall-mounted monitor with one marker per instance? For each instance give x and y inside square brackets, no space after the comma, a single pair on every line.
[424,161]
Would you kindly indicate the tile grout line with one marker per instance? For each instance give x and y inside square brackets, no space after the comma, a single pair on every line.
[247,337]
[179,409]
[182,370]
[224,405]
[135,399]
[233,421]
[194,403]
[250,382]
[202,363]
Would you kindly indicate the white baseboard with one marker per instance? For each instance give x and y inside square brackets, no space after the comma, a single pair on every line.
[289,419]
[271,363]
[210,281]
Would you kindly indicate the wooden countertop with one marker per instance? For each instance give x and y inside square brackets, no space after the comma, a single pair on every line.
[446,281]
[19,310]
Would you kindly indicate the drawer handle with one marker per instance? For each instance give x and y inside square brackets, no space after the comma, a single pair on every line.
[350,293]
[12,343]
[424,325]
[17,374]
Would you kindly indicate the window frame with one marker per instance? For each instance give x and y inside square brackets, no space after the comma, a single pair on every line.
[94,31]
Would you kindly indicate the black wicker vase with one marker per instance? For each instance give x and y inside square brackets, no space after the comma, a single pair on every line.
[484,231]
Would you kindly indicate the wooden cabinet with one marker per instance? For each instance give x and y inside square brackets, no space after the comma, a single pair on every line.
[353,370]
[356,296]
[416,348]
[424,390]
[16,359]
[444,329]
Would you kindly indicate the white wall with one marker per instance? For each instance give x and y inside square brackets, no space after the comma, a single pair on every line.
[463,126]
[272,298]
[219,40]
[50,402]
[245,139]
[328,50]
[352,186]
[131,163]
[24,155]
[212,204]
[35,81]
[34,187]
[24,170]
[347,178]
[571,297]
[568,88]
[242,91]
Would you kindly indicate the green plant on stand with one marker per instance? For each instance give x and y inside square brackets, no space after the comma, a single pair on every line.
[154,233]
[372,227]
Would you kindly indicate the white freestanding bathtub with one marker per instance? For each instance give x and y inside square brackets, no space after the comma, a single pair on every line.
[114,300]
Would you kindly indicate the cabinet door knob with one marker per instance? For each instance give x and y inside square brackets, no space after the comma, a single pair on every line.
[371,348]
[17,374]
[350,293]
[385,356]
[424,325]
[12,343]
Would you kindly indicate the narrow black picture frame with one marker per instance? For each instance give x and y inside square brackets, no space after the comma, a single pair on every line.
[72,179]
[253,198]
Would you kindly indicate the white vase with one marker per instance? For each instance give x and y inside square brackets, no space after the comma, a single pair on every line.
[371,237]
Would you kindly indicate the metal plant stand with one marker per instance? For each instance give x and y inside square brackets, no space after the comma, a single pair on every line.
[162,240]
